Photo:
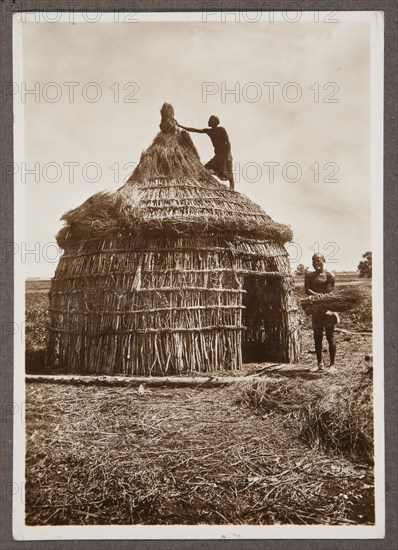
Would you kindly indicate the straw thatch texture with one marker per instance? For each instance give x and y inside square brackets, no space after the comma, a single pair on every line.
[170,192]
[172,206]
[153,276]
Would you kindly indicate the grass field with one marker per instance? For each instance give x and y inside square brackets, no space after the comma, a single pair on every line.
[294,449]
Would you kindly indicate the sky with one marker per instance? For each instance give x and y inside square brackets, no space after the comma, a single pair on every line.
[295,99]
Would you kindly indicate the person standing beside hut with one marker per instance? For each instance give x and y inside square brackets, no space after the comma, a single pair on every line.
[316,284]
[221,163]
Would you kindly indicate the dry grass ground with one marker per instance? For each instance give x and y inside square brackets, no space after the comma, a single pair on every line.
[293,450]
[110,456]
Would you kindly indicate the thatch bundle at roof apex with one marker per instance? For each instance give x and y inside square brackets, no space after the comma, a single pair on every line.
[170,192]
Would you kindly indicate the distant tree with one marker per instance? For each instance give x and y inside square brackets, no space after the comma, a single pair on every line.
[365,265]
[300,269]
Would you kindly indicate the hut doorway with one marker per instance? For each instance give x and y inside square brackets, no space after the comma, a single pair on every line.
[262,319]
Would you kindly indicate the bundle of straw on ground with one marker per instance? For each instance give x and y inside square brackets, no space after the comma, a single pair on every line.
[340,300]
[154,276]
[337,416]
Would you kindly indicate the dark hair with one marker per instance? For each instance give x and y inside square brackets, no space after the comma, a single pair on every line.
[215,119]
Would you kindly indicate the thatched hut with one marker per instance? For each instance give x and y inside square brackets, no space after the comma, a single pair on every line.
[173,273]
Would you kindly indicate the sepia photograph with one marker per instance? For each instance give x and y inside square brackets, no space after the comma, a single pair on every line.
[198,283]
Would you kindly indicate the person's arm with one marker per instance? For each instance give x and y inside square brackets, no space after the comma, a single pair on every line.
[227,142]
[188,129]
[307,282]
[312,293]
[330,280]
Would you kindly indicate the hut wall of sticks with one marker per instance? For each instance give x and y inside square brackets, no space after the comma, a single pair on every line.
[173,273]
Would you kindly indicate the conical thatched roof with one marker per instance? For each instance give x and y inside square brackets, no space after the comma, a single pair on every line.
[170,192]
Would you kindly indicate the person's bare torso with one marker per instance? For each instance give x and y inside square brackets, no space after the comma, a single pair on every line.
[220,140]
[319,282]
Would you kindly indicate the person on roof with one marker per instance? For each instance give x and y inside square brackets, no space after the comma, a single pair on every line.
[316,284]
[221,164]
